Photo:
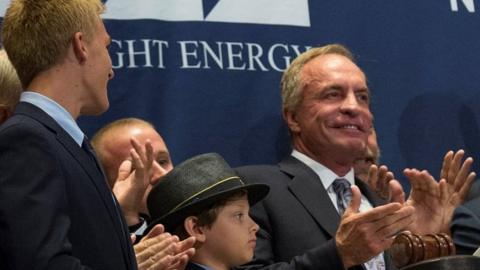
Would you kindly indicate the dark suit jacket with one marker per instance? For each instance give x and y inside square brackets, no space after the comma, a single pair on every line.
[56,211]
[192,266]
[465,227]
[297,219]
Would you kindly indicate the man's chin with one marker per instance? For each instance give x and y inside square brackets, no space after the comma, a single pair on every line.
[356,147]
[97,110]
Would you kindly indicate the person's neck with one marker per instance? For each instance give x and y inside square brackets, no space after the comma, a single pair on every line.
[209,261]
[58,87]
[337,163]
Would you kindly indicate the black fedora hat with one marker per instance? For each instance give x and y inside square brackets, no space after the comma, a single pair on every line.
[193,186]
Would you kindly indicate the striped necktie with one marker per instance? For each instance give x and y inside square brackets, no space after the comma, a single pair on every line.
[344,194]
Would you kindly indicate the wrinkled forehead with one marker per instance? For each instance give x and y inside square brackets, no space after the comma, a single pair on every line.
[332,69]
[324,66]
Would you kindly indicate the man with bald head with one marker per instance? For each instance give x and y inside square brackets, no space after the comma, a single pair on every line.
[115,146]
[371,156]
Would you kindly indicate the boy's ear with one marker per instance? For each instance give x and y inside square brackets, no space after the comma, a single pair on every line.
[193,229]
[79,48]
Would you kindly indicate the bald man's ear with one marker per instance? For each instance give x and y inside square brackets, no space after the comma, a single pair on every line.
[79,48]
[290,117]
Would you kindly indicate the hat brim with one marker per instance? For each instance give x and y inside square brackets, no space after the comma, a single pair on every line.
[170,221]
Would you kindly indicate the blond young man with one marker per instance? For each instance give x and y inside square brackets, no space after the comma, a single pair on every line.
[203,197]
[56,210]
[10,87]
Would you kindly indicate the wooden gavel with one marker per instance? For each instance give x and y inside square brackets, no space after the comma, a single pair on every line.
[409,248]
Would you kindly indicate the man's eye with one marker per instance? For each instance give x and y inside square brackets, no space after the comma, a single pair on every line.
[364,97]
[163,162]
[332,94]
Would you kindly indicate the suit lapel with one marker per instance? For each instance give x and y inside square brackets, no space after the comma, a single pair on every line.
[96,176]
[307,187]
[310,192]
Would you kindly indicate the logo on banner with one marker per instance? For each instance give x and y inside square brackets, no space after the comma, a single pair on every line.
[270,12]
[469,5]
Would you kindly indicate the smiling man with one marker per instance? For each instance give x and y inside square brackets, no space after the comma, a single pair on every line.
[317,214]
[306,222]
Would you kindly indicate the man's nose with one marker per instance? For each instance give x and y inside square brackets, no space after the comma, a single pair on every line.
[111,74]
[350,104]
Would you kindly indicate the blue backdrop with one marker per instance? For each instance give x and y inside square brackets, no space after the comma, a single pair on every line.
[206,73]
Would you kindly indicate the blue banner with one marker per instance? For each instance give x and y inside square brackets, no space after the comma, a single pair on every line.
[206,73]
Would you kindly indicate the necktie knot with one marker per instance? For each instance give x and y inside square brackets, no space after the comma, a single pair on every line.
[86,145]
[344,193]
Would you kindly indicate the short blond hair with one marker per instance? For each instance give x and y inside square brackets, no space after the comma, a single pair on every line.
[36,33]
[10,86]
[291,85]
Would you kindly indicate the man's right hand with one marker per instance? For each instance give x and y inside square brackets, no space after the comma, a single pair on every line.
[362,236]
[133,180]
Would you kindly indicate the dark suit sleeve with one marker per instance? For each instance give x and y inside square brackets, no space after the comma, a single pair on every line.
[465,227]
[34,217]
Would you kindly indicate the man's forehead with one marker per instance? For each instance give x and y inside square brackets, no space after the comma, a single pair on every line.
[122,134]
[118,143]
[333,67]
[323,63]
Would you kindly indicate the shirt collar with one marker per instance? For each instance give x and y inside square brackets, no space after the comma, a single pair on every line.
[326,175]
[57,112]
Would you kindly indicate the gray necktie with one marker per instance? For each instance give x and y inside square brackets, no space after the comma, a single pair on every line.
[344,194]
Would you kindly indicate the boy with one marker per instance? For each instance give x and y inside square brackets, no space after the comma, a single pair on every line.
[203,197]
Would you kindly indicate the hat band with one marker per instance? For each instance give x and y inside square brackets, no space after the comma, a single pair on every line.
[204,190]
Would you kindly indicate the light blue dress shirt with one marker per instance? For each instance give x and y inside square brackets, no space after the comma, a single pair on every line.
[57,112]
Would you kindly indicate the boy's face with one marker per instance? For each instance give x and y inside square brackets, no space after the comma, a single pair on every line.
[232,237]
